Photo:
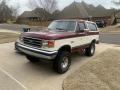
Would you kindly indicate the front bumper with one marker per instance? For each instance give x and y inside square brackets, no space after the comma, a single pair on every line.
[36,52]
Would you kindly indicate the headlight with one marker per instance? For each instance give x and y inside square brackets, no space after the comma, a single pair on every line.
[21,37]
[48,43]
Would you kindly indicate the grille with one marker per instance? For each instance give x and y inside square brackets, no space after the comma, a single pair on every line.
[32,42]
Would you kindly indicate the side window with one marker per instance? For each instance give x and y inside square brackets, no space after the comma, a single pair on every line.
[81,26]
[92,26]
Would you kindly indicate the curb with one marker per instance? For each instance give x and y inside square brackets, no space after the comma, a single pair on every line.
[9,31]
[112,33]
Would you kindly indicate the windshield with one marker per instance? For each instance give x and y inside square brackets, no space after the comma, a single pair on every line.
[62,26]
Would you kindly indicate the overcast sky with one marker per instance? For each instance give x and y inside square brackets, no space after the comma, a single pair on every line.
[63,3]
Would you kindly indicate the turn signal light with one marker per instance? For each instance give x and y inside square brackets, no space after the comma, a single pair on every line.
[51,43]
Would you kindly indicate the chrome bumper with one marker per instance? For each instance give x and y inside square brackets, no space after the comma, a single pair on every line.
[35,51]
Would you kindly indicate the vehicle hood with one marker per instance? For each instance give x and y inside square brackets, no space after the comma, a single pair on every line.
[49,35]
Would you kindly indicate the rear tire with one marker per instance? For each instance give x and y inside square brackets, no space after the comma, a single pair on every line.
[90,51]
[32,59]
[62,62]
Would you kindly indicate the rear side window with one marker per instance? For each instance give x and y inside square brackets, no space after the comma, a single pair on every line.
[81,26]
[92,26]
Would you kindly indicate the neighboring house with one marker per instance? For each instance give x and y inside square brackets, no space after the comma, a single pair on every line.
[85,11]
[74,11]
[36,15]
[99,13]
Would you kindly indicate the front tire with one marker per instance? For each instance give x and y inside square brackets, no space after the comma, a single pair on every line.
[90,51]
[62,62]
[32,59]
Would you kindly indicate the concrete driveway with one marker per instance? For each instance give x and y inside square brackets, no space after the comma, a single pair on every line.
[17,73]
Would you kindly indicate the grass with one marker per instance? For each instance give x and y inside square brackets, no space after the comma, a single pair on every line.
[6,37]
[111,29]
[100,73]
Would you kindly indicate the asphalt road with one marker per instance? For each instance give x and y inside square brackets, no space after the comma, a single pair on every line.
[110,38]
[17,73]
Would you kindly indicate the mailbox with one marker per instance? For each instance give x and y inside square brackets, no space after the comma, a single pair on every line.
[26,29]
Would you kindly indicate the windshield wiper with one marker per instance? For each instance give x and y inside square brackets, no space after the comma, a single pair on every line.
[60,29]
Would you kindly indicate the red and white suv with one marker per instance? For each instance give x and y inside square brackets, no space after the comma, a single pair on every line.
[59,41]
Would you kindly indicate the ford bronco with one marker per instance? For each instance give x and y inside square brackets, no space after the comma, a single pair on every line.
[59,41]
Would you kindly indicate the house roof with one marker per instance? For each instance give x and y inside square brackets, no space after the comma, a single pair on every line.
[99,11]
[83,10]
[29,14]
[75,10]
[38,12]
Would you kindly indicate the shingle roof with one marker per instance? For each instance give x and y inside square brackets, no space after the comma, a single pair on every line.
[99,11]
[38,12]
[73,11]
[83,10]
[29,14]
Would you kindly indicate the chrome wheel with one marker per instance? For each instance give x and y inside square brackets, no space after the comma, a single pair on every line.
[64,63]
[92,50]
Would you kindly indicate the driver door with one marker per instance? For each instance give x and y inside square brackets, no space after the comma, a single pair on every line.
[82,34]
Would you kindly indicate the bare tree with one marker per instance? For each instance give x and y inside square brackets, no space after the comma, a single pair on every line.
[48,5]
[15,10]
[116,2]
[5,12]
